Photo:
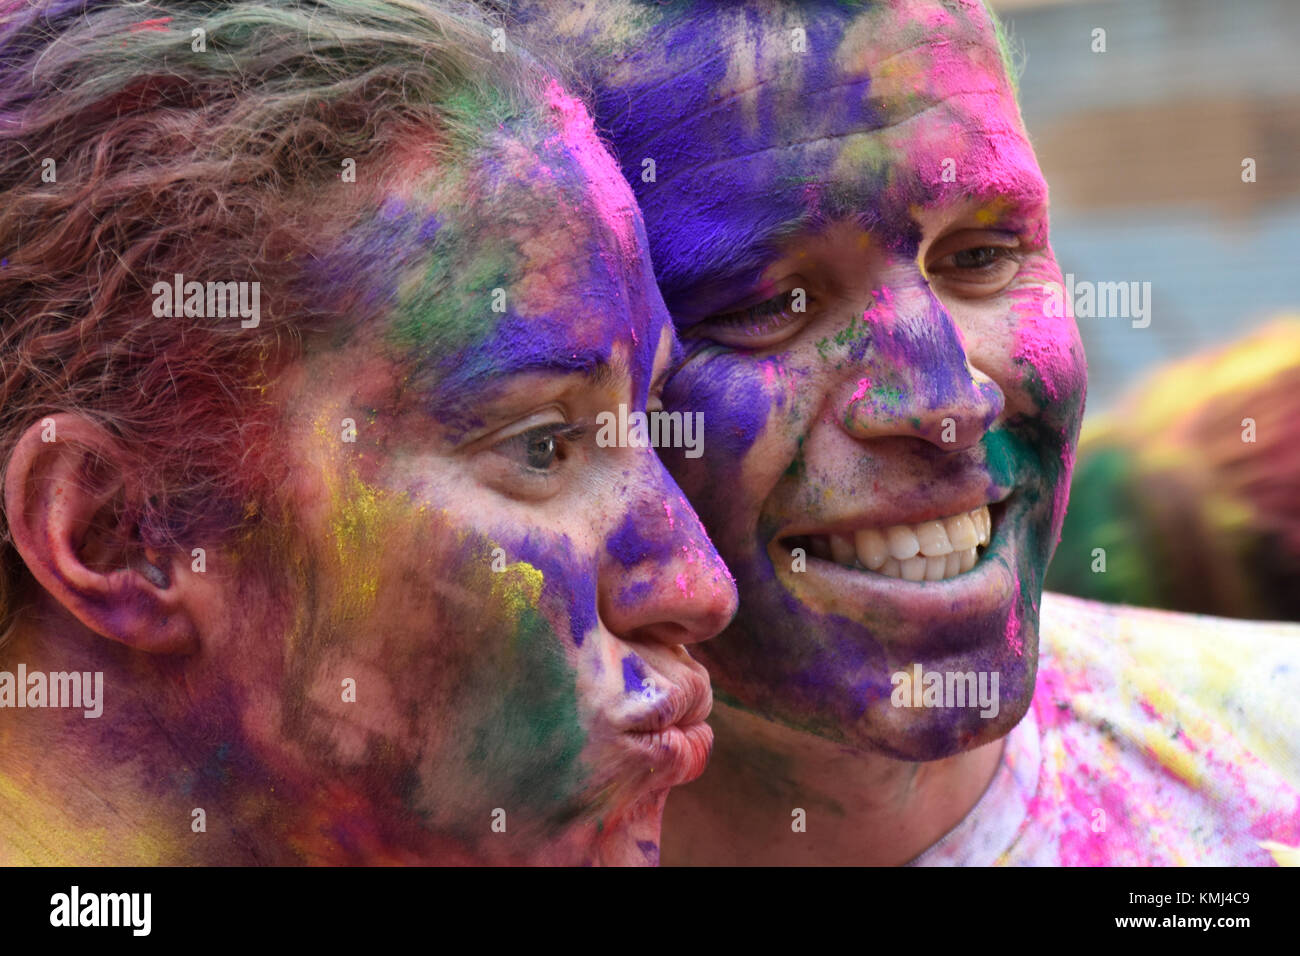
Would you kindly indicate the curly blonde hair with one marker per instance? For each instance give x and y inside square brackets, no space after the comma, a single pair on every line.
[181,136]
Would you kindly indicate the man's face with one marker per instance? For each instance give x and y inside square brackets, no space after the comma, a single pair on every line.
[850,231]
[509,598]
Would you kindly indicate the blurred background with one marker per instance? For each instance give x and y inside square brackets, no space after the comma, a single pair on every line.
[1144,114]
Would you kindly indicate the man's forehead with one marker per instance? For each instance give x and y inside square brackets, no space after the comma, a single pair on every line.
[784,72]
[761,41]
[764,120]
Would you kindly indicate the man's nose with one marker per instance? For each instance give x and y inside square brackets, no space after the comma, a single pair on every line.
[661,578]
[915,378]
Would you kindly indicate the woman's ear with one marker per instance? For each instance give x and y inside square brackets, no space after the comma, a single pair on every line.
[66,499]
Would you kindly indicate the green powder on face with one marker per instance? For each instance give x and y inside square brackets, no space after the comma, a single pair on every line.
[855,331]
[450,306]
[528,740]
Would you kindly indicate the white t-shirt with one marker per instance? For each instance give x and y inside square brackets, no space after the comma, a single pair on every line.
[1153,739]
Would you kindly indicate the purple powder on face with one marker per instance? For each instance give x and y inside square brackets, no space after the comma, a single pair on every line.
[565,576]
[633,674]
[363,269]
[635,593]
[733,400]
[703,211]
[633,542]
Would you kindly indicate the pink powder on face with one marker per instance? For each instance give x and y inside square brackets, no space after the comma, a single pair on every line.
[1043,342]
[978,136]
[609,194]
[1061,495]
[882,311]
[863,385]
[936,17]
[1012,633]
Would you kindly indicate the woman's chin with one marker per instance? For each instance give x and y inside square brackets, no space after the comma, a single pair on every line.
[631,837]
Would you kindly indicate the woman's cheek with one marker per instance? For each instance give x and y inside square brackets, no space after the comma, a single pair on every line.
[506,652]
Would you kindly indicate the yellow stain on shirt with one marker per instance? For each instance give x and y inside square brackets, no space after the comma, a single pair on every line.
[1283,855]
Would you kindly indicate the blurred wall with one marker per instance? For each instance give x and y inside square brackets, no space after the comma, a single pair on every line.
[1142,146]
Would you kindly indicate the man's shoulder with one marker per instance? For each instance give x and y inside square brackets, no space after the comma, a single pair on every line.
[1064,616]
[1166,738]
[1247,672]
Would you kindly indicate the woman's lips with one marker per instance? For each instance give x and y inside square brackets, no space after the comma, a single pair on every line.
[671,732]
[677,753]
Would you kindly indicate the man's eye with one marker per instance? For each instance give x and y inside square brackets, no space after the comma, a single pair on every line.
[978,270]
[758,326]
[979,257]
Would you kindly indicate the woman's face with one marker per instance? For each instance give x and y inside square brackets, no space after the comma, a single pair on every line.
[510,599]
[850,231]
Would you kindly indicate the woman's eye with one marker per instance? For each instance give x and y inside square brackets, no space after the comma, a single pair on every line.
[542,448]
[757,326]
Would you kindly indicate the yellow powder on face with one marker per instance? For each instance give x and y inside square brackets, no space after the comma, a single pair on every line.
[517,588]
[362,520]
[354,526]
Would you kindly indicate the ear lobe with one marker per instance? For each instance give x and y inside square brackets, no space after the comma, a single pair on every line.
[63,501]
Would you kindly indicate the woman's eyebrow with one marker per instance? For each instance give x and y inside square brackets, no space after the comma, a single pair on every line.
[483,369]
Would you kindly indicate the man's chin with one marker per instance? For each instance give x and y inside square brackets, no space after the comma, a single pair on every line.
[934,733]
[831,678]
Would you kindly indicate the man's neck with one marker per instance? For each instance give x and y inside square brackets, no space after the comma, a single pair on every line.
[858,808]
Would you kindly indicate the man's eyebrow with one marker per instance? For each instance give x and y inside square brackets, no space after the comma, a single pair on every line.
[721,259]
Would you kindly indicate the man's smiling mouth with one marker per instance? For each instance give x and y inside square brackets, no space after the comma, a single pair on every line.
[933,550]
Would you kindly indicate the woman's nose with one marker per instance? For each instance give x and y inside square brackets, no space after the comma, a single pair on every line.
[915,378]
[661,578]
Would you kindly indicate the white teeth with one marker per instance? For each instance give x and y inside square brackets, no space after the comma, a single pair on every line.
[929,551]
[842,550]
[933,539]
[902,541]
[872,550]
[962,533]
[952,564]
